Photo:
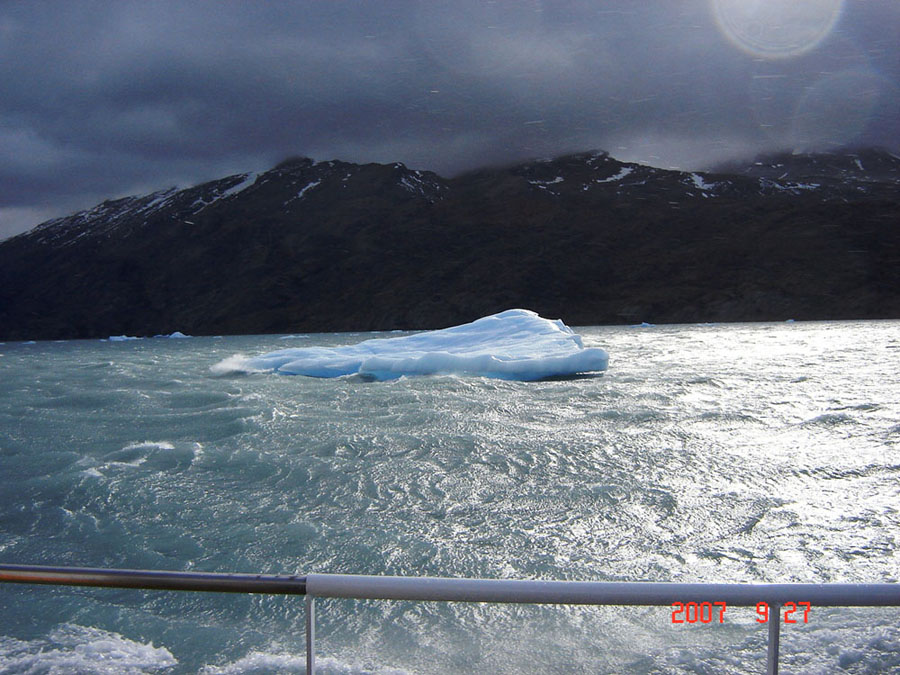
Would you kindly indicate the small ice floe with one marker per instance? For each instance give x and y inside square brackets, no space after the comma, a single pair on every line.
[513,345]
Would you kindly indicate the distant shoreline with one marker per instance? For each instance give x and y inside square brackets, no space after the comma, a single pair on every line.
[575,327]
[336,247]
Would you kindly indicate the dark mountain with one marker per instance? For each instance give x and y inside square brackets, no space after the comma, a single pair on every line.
[847,171]
[335,246]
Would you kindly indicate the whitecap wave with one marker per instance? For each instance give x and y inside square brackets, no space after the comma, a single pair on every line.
[233,365]
[149,445]
[85,650]
[256,663]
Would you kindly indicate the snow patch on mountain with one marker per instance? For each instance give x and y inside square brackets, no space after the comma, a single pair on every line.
[623,172]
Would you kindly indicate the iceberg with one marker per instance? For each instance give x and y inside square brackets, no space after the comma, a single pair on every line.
[513,345]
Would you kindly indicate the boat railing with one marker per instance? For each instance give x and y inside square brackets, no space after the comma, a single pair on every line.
[774,597]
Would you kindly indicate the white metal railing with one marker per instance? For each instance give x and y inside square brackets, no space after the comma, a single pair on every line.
[473,590]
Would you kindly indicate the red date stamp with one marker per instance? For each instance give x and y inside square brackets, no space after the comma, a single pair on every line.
[692,612]
[790,608]
[708,612]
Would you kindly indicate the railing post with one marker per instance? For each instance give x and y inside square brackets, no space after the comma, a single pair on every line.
[310,635]
[774,637]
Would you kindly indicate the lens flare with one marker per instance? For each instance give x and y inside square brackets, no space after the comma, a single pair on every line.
[775,29]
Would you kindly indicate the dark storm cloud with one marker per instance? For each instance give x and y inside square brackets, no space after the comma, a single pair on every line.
[101,99]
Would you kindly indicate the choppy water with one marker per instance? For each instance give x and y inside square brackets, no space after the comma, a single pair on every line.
[750,452]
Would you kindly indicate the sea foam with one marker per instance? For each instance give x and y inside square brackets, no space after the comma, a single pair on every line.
[263,662]
[71,648]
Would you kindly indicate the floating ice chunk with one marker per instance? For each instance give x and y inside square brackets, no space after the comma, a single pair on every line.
[513,345]
[122,338]
[176,334]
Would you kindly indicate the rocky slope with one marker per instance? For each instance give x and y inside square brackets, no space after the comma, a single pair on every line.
[333,246]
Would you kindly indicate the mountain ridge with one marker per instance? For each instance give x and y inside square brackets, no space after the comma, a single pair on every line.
[332,245]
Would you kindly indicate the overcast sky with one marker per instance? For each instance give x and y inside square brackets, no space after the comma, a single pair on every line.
[105,99]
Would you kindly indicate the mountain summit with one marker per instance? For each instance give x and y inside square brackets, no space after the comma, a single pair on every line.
[329,246]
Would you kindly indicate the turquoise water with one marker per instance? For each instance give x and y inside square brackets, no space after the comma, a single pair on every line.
[744,452]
